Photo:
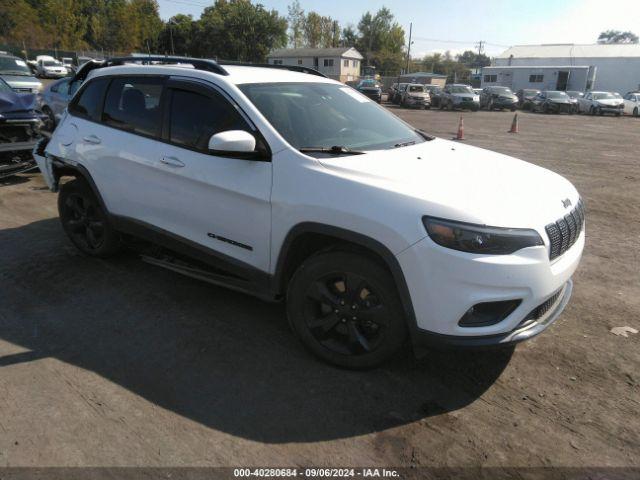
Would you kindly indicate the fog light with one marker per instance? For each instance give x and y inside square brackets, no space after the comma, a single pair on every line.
[488,313]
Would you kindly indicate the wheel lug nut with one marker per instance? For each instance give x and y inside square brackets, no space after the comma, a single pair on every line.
[354,318]
[354,306]
[335,311]
[341,302]
[344,320]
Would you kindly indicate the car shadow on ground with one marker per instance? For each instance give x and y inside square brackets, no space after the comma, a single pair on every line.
[220,358]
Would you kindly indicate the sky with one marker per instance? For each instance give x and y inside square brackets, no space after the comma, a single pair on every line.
[457,25]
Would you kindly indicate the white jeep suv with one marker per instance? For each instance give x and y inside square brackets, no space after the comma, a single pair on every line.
[287,185]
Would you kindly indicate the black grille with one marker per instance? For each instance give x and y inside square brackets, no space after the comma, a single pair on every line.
[564,232]
[544,307]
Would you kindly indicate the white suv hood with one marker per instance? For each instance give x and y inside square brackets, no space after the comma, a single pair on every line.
[464,183]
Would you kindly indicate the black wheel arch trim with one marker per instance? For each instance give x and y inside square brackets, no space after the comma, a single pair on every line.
[390,260]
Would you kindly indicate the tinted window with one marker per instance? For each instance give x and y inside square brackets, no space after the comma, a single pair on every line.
[195,118]
[133,104]
[90,101]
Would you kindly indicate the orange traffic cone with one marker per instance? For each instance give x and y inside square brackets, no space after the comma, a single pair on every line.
[514,124]
[460,135]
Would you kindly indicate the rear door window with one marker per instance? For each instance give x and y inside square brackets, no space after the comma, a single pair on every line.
[133,104]
[89,103]
[195,117]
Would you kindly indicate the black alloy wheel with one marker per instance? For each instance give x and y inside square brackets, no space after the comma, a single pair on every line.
[84,220]
[345,309]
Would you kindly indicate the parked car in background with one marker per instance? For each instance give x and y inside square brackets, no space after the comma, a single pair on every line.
[552,101]
[460,96]
[435,92]
[454,244]
[599,103]
[391,91]
[371,88]
[17,74]
[67,62]
[49,67]
[397,94]
[55,98]
[415,95]
[478,91]
[498,98]
[574,96]
[525,97]
[20,123]
[632,104]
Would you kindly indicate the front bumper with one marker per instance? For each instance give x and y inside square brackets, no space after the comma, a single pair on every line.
[443,284]
[468,105]
[377,96]
[418,102]
[607,109]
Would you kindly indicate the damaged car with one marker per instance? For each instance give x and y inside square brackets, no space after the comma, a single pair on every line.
[20,123]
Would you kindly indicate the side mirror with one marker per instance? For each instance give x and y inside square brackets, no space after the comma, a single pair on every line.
[233,141]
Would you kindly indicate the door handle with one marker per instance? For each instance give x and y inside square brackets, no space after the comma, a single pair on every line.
[172,162]
[92,139]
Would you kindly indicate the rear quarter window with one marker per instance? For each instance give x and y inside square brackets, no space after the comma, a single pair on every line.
[88,104]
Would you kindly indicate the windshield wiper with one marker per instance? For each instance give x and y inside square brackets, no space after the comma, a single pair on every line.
[335,150]
[404,144]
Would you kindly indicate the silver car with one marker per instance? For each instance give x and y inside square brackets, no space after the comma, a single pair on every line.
[459,96]
[599,103]
[17,74]
[55,98]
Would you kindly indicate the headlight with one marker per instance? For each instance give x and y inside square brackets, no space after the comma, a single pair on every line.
[480,239]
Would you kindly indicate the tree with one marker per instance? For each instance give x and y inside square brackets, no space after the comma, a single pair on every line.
[381,37]
[320,31]
[349,36]
[182,29]
[616,36]
[473,60]
[239,30]
[296,19]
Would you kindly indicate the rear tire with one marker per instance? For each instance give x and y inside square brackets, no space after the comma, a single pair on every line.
[85,222]
[345,309]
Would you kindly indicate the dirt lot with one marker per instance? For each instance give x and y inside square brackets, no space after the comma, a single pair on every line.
[121,363]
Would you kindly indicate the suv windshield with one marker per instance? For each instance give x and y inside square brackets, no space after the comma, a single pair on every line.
[14,65]
[416,88]
[51,63]
[460,89]
[324,115]
[502,90]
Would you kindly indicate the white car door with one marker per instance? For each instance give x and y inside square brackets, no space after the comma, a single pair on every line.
[117,144]
[584,103]
[220,201]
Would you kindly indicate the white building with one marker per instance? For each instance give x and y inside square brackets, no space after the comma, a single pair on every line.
[567,67]
[338,63]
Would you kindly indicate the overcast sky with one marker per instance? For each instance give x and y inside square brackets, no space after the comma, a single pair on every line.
[457,25]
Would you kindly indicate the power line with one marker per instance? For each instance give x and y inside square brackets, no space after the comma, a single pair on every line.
[460,42]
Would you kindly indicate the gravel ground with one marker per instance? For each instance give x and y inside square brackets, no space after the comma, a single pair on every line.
[119,363]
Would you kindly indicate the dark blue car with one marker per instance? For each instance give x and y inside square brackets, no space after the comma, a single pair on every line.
[20,123]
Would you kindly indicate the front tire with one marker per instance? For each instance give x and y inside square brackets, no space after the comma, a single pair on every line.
[85,222]
[345,309]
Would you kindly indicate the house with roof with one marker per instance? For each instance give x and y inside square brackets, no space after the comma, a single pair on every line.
[338,63]
[609,67]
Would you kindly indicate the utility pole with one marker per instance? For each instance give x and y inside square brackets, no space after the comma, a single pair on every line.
[173,52]
[480,45]
[409,47]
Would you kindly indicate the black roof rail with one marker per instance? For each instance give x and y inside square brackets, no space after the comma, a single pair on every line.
[293,68]
[198,63]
